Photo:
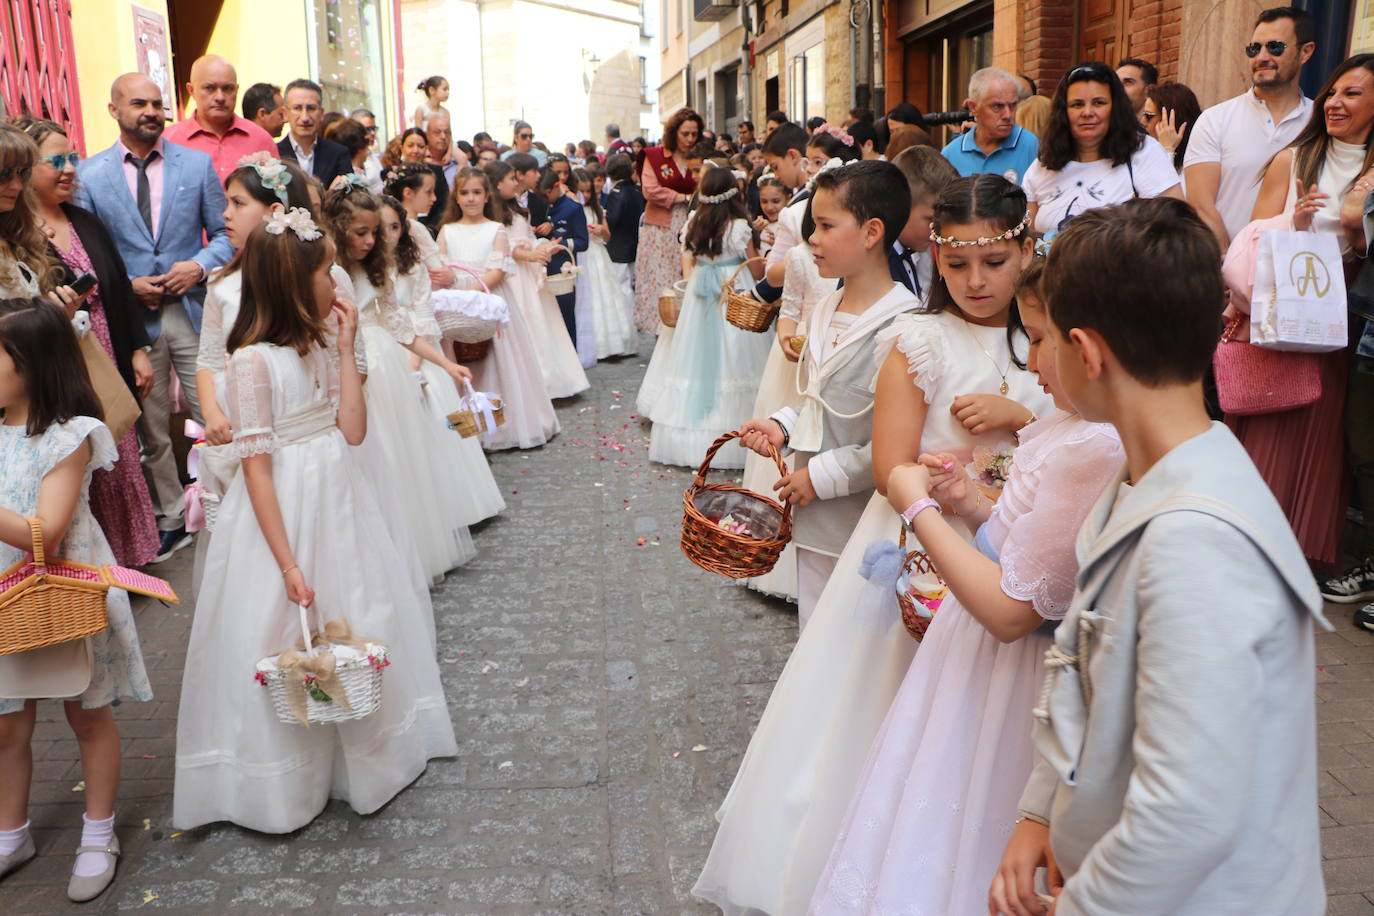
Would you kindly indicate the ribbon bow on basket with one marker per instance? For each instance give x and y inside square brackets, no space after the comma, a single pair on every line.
[329,676]
[478,412]
[45,601]
[730,530]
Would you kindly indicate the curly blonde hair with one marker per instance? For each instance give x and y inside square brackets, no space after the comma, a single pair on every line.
[21,238]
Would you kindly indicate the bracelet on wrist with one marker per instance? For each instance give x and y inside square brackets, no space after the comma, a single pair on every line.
[919,506]
[289,568]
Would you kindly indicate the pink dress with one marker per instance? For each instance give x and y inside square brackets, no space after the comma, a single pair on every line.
[119,497]
[937,800]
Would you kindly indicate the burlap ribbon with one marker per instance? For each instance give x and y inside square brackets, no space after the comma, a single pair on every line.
[301,667]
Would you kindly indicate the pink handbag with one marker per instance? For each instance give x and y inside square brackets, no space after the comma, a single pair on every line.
[1254,380]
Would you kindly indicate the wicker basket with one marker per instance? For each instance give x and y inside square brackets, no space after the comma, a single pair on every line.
[565,281]
[669,306]
[461,326]
[742,309]
[359,686]
[469,422]
[739,555]
[471,352]
[917,614]
[45,600]
[797,344]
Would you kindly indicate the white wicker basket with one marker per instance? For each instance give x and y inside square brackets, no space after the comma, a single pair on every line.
[469,315]
[565,281]
[359,673]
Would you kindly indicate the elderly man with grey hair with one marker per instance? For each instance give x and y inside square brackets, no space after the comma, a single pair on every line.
[997,143]
[613,142]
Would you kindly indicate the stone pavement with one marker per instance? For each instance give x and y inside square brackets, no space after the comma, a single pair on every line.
[602,690]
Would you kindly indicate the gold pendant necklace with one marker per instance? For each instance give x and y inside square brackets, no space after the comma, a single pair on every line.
[1004,387]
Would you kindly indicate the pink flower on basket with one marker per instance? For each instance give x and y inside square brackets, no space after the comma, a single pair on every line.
[990,466]
[378,663]
[260,678]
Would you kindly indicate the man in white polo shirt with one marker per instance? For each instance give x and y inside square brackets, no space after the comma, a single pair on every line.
[1232,141]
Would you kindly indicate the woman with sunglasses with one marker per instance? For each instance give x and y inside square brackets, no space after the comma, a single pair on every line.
[78,240]
[27,268]
[1095,153]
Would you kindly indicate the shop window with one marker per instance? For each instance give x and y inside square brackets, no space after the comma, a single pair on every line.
[806,91]
[346,53]
[727,99]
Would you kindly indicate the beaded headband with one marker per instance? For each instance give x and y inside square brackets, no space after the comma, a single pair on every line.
[951,242]
[720,198]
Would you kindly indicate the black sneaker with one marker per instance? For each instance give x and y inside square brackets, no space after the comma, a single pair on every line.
[172,541]
[1364,618]
[1355,586]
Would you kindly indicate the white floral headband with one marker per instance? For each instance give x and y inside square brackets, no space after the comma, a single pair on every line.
[296,219]
[720,198]
[951,242]
[272,172]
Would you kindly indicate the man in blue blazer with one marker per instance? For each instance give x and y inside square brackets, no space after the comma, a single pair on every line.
[303,145]
[164,206]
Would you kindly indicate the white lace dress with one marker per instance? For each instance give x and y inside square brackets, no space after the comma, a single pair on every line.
[117,670]
[464,463]
[512,369]
[937,800]
[612,314]
[404,438]
[235,761]
[781,816]
[524,288]
[713,369]
[802,288]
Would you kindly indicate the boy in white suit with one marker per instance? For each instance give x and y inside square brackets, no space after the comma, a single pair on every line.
[1177,728]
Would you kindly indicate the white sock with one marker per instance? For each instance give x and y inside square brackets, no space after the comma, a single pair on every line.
[94,833]
[11,840]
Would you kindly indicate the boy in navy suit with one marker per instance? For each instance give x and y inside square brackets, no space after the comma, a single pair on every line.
[570,231]
[624,205]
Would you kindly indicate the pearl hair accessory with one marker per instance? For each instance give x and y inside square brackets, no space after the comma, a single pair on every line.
[295,219]
[720,198]
[951,242]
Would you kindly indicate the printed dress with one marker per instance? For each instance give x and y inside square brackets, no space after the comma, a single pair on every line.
[511,370]
[781,815]
[235,760]
[938,797]
[117,671]
[712,372]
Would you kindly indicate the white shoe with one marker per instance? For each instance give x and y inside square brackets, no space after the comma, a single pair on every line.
[17,858]
[80,889]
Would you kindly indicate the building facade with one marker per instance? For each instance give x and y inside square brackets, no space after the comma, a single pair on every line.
[568,67]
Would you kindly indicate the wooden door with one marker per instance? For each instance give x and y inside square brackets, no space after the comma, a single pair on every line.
[1101,30]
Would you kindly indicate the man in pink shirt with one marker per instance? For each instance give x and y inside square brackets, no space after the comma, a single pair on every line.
[213,127]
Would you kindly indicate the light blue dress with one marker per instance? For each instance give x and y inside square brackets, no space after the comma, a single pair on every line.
[117,669]
[712,372]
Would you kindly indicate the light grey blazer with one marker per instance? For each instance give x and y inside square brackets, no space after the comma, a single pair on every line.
[1177,729]
[841,458]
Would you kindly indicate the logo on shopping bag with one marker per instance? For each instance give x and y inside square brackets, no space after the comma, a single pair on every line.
[1314,279]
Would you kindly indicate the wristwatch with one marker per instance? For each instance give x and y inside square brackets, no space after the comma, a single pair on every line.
[918,507]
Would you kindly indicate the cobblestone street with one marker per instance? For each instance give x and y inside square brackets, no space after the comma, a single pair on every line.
[603,690]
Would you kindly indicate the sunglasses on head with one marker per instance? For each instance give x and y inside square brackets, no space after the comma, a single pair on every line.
[7,175]
[1275,48]
[61,161]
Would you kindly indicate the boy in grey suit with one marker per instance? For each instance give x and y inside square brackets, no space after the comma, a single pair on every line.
[858,211]
[1177,727]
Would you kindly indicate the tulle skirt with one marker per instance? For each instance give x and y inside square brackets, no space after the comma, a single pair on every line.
[469,474]
[777,389]
[234,760]
[938,797]
[710,379]
[612,322]
[511,370]
[558,362]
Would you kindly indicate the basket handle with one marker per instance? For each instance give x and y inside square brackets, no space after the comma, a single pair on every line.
[730,283]
[483,283]
[40,561]
[305,630]
[700,480]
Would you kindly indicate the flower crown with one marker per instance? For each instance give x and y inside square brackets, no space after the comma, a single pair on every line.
[347,184]
[952,242]
[720,198]
[272,172]
[296,219]
[839,133]
[834,163]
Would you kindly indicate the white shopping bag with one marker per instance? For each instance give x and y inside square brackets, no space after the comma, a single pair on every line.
[1299,294]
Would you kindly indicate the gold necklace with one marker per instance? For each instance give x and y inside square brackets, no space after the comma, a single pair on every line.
[1004,387]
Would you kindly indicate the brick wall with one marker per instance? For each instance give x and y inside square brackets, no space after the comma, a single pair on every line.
[1049,43]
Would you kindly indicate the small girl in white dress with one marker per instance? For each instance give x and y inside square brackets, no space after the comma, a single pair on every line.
[938,797]
[404,439]
[436,91]
[300,525]
[712,372]
[51,440]
[477,240]
[612,322]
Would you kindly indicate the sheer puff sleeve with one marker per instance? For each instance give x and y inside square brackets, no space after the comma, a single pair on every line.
[61,439]
[213,333]
[1038,557]
[249,396]
[921,339]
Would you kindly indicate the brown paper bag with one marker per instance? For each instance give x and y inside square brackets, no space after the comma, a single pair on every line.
[121,410]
